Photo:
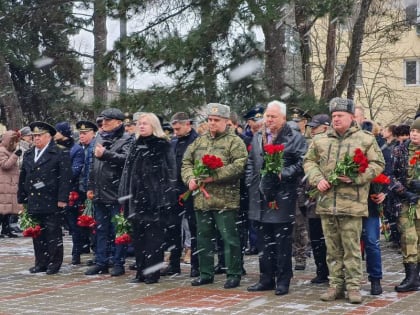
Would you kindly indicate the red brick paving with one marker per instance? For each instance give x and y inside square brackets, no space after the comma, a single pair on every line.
[197,298]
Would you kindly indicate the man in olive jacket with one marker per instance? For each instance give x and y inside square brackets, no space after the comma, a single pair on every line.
[44,187]
[220,210]
[342,206]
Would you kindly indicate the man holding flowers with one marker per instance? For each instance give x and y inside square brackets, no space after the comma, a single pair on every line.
[273,168]
[341,163]
[216,195]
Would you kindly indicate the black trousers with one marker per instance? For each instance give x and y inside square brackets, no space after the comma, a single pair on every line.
[173,235]
[319,248]
[274,240]
[48,247]
[192,224]
[148,241]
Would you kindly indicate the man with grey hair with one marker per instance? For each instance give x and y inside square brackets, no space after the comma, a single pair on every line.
[273,206]
[219,209]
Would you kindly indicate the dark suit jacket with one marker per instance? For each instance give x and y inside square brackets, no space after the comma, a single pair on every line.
[44,183]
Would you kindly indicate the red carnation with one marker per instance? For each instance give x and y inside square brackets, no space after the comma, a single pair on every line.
[123,239]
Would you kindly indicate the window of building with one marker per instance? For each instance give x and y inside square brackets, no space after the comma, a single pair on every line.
[411,68]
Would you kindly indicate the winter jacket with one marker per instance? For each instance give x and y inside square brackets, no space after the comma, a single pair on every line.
[149,178]
[77,158]
[295,149]
[105,172]
[44,183]
[224,191]
[9,175]
[329,148]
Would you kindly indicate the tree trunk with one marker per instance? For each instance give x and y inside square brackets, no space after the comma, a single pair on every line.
[329,69]
[304,26]
[8,98]
[100,86]
[275,61]
[349,75]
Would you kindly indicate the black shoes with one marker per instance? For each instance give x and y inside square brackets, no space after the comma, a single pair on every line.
[320,279]
[52,271]
[194,273]
[251,251]
[139,278]
[375,287]
[150,280]
[117,271]
[232,283]
[96,270]
[133,266]
[300,266]
[37,269]
[75,260]
[281,289]
[201,281]
[9,234]
[170,271]
[260,287]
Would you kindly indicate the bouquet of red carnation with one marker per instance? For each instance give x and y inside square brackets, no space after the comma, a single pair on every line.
[273,165]
[273,159]
[86,218]
[122,229]
[202,169]
[30,227]
[349,166]
[378,184]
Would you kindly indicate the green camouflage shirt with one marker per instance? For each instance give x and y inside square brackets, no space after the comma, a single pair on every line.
[320,160]
[224,191]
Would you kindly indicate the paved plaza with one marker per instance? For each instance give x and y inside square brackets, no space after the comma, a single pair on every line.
[71,292]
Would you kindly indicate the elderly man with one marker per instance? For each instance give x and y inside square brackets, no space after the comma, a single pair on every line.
[111,148]
[220,209]
[275,224]
[44,187]
[342,205]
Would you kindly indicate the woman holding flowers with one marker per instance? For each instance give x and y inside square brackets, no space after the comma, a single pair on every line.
[274,164]
[148,189]
[341,163]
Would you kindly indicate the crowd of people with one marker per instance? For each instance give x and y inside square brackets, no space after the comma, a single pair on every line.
[155,177]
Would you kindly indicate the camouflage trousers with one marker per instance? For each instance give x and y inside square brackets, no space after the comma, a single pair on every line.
[410,235]
[300,237]
[344,258]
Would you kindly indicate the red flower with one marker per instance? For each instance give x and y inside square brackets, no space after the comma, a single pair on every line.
[73,197]
[273,148]
[33,232]
[349,166]
[123,239]
[273,158]
[86,221]
[212,162]
[381,179]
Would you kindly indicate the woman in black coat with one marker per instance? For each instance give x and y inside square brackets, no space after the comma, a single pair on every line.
[148,181]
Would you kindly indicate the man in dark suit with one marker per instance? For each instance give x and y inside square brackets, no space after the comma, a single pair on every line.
[44,187]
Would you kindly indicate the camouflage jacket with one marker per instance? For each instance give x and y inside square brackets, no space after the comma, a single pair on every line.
[224,191]
[323,154]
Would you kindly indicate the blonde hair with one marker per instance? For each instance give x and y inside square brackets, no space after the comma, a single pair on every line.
[155,123]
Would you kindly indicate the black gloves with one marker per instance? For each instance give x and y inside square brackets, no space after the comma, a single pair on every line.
[412,198]
[18,152]
[415,185]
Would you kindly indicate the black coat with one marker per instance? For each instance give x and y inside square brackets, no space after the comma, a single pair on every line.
[44,183]
[295,149]
[149,176]
[105,172]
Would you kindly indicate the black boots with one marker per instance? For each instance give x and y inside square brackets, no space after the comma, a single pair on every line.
[411,281]
[375,287]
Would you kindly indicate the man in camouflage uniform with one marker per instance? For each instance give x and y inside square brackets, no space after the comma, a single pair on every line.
[342,206]
[407,188]
[220,210]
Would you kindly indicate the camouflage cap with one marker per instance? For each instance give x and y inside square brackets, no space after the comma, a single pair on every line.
[338,104]
[216,109]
